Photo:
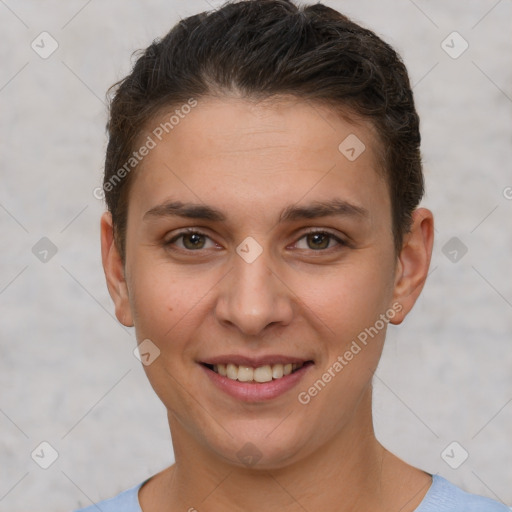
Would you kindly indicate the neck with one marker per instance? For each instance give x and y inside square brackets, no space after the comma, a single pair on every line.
[352,471]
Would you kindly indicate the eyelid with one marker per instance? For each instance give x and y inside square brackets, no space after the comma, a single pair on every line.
[186,231]
[340,240]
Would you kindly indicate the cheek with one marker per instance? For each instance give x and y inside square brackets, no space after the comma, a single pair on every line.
[165,310]
[349,307]
[350,299]
[169,305]
[158,301]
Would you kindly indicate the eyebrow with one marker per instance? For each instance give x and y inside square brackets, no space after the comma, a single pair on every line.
[333,207]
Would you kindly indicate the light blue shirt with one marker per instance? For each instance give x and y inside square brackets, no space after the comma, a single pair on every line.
[442,496]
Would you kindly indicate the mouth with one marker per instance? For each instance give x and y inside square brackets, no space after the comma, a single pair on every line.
[256,379]
[256,374]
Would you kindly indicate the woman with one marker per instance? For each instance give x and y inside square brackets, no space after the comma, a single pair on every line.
[262,179]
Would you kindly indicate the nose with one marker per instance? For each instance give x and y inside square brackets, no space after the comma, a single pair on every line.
[253,297]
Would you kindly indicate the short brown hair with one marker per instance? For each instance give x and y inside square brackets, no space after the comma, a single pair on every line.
[261,49]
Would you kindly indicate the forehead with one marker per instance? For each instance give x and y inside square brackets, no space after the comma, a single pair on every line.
[228,148]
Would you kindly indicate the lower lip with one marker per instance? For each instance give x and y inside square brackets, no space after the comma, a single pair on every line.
[257,391]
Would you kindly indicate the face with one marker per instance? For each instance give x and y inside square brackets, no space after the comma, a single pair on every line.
[256,245]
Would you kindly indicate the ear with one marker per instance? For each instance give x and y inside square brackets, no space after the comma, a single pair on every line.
[413,262]
[114,272]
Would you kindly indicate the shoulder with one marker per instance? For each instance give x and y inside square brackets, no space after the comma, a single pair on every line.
[126,501]
[443,496]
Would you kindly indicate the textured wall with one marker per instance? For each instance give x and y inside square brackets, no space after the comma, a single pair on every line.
[68,375]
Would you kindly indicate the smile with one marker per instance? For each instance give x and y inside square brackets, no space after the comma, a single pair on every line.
[265,373]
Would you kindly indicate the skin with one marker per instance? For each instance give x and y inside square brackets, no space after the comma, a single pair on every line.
[308,297]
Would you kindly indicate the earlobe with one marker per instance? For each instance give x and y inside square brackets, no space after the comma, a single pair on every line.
[114,272]
[413,262]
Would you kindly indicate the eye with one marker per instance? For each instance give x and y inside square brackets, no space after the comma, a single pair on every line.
[191,240]
[319,240]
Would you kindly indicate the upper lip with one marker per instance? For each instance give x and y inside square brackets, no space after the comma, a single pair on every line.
[254,362]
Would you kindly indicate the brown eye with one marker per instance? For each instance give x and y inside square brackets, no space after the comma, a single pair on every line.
[193,241]
[190,241]
[320,240]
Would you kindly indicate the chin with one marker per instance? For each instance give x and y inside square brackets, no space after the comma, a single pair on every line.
[263,452]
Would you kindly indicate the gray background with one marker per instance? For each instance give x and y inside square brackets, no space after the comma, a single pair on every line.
[68,375]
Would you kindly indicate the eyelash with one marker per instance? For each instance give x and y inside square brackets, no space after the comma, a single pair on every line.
[332,236]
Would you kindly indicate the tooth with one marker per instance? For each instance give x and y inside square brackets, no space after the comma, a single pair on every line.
[277,371]
[245,373]
[232,371]
[263,374]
